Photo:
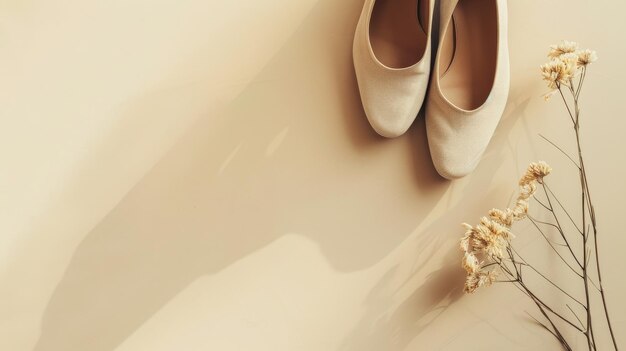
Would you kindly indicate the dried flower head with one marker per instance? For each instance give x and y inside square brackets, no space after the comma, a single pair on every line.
[571,64]
[494,227]
[487,238]
[465,240]
[564,47]
[540,169]
[470,263]
[556,72]
[521,209]
[586,57]
[479,279]
[526,190]
[566,63]
[471,283]
[504,218]
[535,173]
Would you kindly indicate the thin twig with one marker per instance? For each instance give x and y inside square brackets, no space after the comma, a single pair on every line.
[548,224]
[558,224]
[575,315]
[555,250]
[546,278]
[558,148]
[546,328]
[562,207]
[541,203]
[583,199]
[571,116]
[540,305]
[549,309]
[581,81]
[556,286]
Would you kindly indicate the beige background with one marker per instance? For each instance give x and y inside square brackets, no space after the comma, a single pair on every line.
[199,175]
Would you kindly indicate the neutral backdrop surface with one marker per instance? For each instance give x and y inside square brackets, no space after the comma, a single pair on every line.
[199,175]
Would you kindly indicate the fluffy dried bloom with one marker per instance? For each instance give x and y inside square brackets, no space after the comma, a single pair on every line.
[504,218]
[586,57]
[527,189]
[571,64]
[554,73]
[560,70]
[479,279]
[520,211]
[566,61]
[470,263]
[535,173]
[489,238]
[540,170]
[494,227]
[564,64]
[489,278]
[471,283]
[564,47]
[465,243]
[570,57]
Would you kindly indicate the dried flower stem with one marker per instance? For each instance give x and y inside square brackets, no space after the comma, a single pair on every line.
[564,209]
[587,209]
[558,226]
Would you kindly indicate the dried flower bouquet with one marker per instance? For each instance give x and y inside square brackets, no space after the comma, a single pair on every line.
[489,254]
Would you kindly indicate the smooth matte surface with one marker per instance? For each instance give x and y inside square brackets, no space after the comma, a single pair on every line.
[458,137]
[391,97]
[199,175]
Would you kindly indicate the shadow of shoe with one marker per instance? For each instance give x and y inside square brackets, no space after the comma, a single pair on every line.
[286,156]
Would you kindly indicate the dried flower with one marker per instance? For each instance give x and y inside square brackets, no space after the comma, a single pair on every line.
[502,217]
[571,64]
[521,209]
[566,61]
[488,248]
[488,238]
[491,238]
[564,47]
[553,73]
[479,279]
[470,263]
[586,57]
[489,278]
[471,283]
[535,173]
[494,227]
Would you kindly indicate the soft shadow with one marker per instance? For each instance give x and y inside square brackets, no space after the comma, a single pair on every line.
[390,330]
[291,154]
[393,317]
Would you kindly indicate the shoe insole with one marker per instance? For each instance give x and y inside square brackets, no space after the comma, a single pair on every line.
[469,50]
[398,31]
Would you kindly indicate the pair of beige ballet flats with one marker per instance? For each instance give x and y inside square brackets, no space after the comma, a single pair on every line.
[469,78]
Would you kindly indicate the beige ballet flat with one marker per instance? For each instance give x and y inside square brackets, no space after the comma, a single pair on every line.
[391,53]
[470,84]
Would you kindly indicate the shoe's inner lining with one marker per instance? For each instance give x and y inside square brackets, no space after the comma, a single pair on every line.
[398,31]
[469,53]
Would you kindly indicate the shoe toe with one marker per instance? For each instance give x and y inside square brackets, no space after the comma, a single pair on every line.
[458,140]
[389,115]
[450,166]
